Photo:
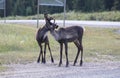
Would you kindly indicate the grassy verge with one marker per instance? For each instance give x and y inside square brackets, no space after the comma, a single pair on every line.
[102,44]
[101,16]
[18,45]
[3,68]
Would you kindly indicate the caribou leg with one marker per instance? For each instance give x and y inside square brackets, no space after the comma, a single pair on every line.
[39,57]
[44,60]
[52,60]
[66,53]
[41,53]
[61,48]
[77,45]
[81,48]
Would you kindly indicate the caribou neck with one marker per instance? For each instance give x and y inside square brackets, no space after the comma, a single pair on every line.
[55,34]
[42,33]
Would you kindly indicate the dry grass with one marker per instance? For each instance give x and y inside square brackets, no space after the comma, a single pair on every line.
[18,45]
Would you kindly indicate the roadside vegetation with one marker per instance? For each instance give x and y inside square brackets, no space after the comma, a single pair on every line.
[18,45]
[98,16]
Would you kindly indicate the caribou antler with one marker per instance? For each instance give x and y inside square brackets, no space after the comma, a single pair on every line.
[48,19]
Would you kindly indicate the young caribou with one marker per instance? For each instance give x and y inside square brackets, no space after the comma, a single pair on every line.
[66,35]
[41,38]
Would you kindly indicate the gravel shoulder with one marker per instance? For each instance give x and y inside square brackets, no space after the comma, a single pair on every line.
[88,70]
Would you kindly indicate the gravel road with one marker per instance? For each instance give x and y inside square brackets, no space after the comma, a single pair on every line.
[69,23]
[88,70]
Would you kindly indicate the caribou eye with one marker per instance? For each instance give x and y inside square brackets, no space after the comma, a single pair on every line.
[56,26]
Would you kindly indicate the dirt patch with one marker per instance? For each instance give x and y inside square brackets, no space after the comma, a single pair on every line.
[88,70]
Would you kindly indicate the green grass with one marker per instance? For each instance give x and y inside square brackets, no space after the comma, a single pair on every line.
[18,45]
[101,16]
[16,38]
[102,44]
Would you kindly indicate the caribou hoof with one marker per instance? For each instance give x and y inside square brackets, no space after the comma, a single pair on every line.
[73,64]
[44,61]
[59,65]
[81,62]
[67,65]
[38,61]
[52,60]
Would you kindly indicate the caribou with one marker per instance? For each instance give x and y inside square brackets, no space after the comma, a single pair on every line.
[42,38]
[64,36]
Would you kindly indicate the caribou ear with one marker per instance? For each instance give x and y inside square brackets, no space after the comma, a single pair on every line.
[46,17]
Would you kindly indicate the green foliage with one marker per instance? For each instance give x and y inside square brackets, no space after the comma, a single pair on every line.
[29,7]
[108,4]
[99,16]
[28,11]
[20,7]
[116,5]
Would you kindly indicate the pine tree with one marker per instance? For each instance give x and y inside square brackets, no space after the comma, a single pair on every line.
[116,5]
[108,4]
